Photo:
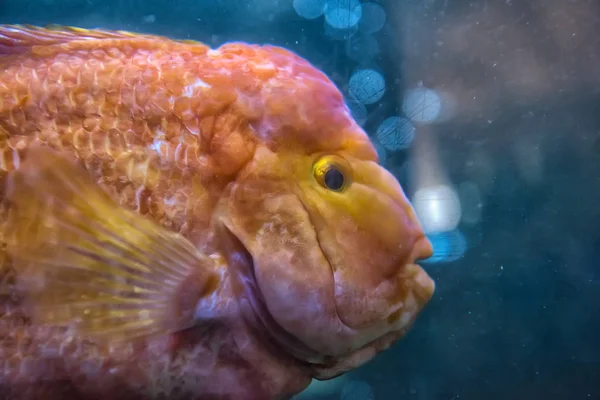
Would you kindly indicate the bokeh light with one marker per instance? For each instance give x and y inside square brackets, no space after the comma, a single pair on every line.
[357,390]
[358,110]
[422,105]
[447,247]
[309,9]
[470,202]
[373,18]
[438,208]
[361,48]
[339,34]
[343,14]
[367,86]
[395,133]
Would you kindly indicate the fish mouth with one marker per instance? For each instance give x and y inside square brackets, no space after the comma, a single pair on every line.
[400,315]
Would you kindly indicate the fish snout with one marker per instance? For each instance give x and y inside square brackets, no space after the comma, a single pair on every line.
[422,249]
[414,245]
[416,248]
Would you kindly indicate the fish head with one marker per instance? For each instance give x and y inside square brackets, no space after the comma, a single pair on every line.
[329,241]
[331,245]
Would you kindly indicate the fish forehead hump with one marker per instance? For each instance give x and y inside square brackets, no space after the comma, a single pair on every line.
[67,76]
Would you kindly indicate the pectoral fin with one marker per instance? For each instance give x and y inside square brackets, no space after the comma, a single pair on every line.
[83,260]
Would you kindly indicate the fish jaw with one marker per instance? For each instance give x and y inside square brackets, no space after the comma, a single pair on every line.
[401,319]
[303,292]
[336,275]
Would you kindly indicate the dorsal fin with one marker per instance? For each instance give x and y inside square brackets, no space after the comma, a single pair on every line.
[19,38]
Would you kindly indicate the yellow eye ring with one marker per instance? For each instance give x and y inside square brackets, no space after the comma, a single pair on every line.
[333,173]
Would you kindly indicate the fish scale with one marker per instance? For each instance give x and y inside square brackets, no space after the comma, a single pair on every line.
[123,107]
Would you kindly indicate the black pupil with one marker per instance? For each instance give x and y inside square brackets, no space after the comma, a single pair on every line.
[334,179]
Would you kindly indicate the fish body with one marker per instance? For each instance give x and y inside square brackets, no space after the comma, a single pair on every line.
[184,222]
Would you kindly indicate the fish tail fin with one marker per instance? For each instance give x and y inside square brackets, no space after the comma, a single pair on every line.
[83,261]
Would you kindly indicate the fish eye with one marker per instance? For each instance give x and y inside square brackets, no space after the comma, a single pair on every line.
[334,179]
[332,173]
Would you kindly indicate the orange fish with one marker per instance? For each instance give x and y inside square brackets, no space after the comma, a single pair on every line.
[190,223]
